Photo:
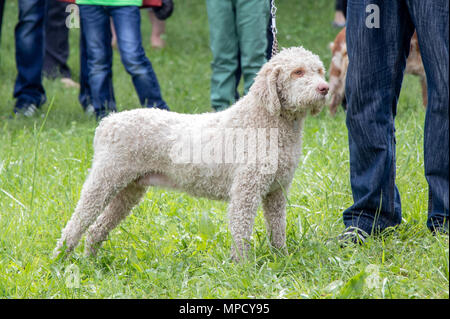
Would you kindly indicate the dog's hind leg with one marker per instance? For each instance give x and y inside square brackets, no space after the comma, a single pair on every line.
[274,208]
[119,207]
[103,182]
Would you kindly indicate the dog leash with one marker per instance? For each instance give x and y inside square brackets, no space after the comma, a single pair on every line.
[273,11]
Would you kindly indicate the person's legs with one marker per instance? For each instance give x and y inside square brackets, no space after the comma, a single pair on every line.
[56,41]
[377,58]
[29,37]
[224,47]
[252,18]
[85,96]
[97,32]
[270,38]
[158,29]
[341,5]
[344,7]
[431,22]
[340,13]
[127,22]
[238,75]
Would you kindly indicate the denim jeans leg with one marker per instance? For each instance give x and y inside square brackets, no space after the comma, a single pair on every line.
[431,21]
[96,29]
[377,58]
[85,96]
[127,22]
[56,41]
[29,38]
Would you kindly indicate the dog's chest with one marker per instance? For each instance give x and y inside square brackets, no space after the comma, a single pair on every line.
[290,146]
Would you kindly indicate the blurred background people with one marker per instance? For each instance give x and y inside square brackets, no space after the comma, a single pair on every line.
[96,28]
[57,44]
[29,44]
[340,13]
[238,33]
[158,30]
[377,59]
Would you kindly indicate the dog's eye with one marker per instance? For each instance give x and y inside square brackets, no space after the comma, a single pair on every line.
[298,73]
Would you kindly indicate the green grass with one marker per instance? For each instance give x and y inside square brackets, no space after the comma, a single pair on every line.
[176,246]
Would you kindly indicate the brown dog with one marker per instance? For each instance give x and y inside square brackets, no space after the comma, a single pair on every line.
[339,65]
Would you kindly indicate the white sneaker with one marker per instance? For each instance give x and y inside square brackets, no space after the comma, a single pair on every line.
[89,110]
[27,111]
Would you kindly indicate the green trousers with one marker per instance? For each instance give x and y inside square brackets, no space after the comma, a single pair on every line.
[238,32]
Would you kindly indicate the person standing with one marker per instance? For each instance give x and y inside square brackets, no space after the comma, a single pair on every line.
[340,13]
[158,30]
[237,33]
[57,44]
[29,42]
[95,21]
[378,41]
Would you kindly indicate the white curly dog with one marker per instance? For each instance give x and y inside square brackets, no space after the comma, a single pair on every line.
[191,152]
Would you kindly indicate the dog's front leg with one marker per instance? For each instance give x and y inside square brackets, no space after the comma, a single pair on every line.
[274,207]
[244,201]
[241,214]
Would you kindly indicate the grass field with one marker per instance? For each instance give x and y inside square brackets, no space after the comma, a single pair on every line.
[176,246]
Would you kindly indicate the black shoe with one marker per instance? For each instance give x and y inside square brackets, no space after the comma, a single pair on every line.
[352,235]
[440,230]
[165,10]
[101,114]
[27,110]
[219,108]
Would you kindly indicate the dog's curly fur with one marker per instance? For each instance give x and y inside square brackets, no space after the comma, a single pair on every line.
[132,150]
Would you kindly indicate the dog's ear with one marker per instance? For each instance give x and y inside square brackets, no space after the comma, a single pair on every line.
[267,91]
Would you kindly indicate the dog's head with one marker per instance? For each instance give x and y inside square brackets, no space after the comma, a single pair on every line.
[293,81]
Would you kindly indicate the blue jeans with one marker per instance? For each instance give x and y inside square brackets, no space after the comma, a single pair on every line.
[85,96]
[95,22]
[29,38]
[377,58]
[56,41]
